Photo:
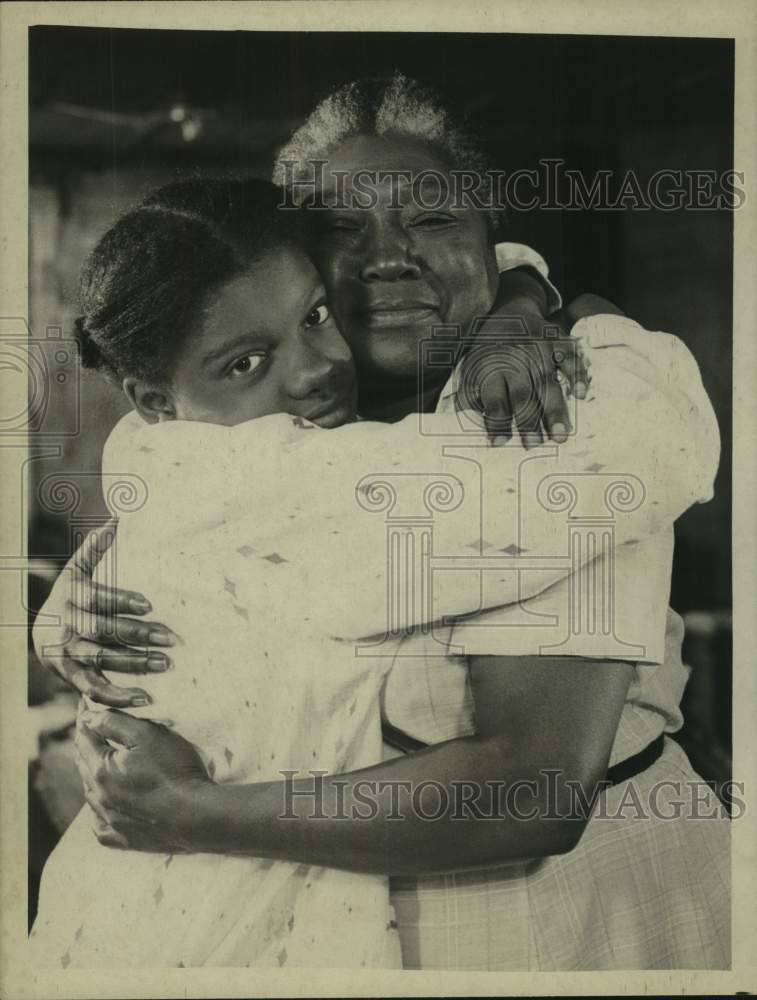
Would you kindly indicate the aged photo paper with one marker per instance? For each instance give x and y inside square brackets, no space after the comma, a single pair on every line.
[293,713]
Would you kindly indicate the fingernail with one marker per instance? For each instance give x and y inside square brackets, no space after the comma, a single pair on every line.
[559,433]
[141,700]
[580,390]
[160,638]
[499,440]
[158,662]
[139,605]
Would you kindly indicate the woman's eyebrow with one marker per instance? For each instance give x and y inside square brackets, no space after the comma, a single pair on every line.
[433,195]
[336,203]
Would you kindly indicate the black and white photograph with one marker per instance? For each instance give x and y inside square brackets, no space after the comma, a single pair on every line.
[373,548]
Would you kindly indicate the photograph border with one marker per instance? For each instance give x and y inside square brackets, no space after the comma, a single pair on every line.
[737,20]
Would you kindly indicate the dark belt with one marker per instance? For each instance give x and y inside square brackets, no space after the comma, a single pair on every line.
[637,763]
[621,771]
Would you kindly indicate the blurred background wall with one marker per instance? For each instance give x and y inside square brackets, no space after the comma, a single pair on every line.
[115,112]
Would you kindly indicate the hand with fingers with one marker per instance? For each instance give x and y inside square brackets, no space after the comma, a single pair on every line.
[85,628]
[146,790]
[521,375]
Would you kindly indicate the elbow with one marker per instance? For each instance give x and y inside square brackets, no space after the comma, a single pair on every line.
[562,807]
[566,836]
[564,818]
[574,799]
[544,817]
[527,813]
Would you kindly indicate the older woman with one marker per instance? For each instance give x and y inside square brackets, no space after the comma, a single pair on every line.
[646,885]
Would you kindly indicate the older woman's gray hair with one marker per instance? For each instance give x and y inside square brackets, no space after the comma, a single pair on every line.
[389,106]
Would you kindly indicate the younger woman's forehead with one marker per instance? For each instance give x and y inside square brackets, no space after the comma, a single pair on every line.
[270,293]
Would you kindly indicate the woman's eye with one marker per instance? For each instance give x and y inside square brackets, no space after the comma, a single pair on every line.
[432,220]
[317,316]
[341,225]
[246,365]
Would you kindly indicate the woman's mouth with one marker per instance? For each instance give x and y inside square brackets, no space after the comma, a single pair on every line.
[390,315]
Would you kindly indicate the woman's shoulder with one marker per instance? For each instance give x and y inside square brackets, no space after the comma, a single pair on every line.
[135,438]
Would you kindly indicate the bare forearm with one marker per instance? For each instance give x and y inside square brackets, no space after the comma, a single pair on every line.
[560,714]
[430,812]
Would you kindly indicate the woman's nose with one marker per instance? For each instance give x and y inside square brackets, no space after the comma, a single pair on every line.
[388,257]
[316,369]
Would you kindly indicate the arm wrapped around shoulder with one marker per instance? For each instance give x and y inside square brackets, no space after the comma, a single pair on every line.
[645,447]
[648,409]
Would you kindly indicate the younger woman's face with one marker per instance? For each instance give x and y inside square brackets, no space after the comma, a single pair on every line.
[266,343]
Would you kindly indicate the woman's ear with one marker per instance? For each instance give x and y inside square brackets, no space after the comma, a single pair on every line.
[153,405]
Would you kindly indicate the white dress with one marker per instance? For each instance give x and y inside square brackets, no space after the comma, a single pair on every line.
[266,547]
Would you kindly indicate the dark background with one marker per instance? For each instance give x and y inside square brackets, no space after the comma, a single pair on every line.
[114,112]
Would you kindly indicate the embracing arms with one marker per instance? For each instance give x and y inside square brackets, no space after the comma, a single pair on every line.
[648,416]
[544,730]
[154,793]
[646,426]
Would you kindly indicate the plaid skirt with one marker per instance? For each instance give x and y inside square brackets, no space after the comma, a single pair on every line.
[647,887]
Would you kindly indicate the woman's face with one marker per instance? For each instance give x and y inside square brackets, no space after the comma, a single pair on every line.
[266,343]
[394,269]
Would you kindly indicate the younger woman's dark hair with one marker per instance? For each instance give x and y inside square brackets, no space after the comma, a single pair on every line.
[144,284]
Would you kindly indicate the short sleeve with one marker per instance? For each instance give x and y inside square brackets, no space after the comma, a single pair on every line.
[510,255]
